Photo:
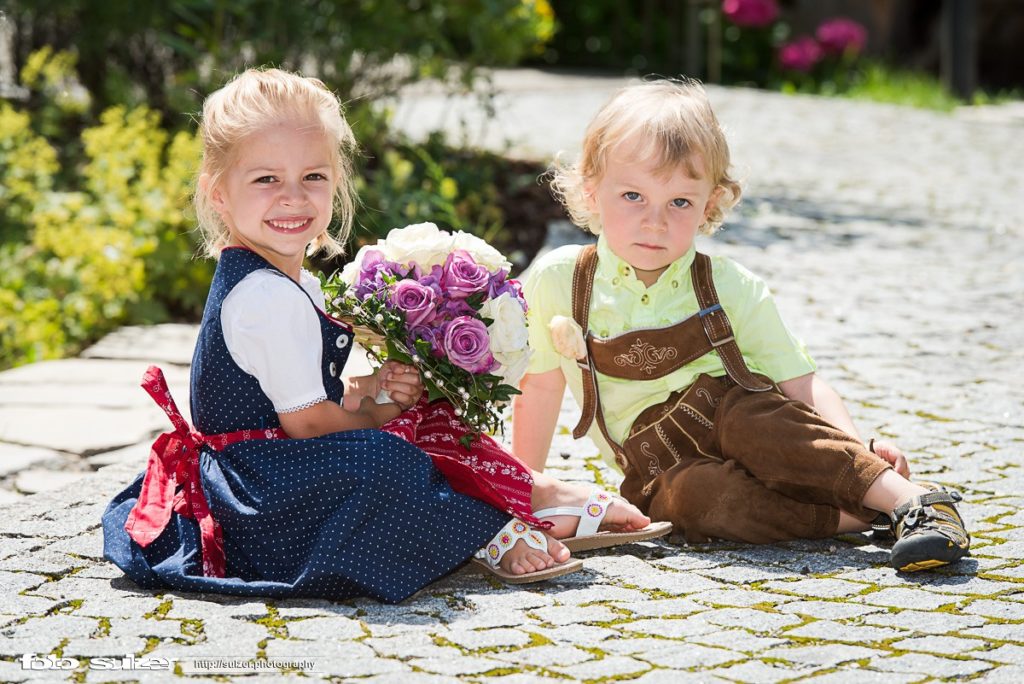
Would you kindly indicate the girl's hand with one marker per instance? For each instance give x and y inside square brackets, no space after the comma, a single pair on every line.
[892,455]
[402,383]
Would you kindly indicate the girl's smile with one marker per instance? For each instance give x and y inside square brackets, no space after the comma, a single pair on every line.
[278,194]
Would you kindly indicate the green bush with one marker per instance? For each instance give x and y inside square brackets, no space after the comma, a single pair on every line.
[116,250]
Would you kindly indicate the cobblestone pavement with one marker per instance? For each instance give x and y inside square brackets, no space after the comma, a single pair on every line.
[892,238]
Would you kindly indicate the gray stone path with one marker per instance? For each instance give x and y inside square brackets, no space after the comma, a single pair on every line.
[893,241]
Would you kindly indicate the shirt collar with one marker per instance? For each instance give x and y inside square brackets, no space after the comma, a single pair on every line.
[610,266]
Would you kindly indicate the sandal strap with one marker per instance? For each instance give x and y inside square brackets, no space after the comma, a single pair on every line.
[591,514]
[940,497]
[507,537]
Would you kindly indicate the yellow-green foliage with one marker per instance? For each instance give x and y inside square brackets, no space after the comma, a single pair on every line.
[27,165]
[117,251]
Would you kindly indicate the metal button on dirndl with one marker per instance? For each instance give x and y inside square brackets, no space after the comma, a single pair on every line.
[341,342]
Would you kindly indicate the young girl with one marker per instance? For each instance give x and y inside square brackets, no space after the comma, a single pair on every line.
[279,490]
[695,387]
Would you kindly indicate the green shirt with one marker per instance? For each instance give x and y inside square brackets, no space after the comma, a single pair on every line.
[620,302]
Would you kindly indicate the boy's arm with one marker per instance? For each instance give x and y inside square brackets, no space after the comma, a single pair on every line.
[534,416]
[817,394]
[820,396]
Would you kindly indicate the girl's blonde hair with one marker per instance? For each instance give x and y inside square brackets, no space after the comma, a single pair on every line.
[670,121]
[253,101]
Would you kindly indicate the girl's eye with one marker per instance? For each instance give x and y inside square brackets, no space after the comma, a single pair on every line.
[265,179]
[631,196]
[680,203]
[316,177]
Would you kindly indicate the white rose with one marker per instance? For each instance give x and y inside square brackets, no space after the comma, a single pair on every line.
[351,270]
[508,332]
[483,253]
[422,243]
[567,338]
[513,365]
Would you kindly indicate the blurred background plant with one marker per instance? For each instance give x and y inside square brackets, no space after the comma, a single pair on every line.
[97,103]
[96,163]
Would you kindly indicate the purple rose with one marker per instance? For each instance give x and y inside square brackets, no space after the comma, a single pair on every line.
[462,276]
[500,284]
[841,36]
[467,346]
[430,333]
[416,301]
[752,13]
[433,279]
[800,55]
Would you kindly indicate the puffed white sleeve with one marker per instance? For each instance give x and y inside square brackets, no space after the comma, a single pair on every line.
[272,332]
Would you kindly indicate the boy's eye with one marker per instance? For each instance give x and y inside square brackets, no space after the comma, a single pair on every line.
[631,196]
[316,177]
[265,179]
[680,203]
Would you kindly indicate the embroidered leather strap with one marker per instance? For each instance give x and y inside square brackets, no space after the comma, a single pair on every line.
[718,329]
[582,286]
[712,318]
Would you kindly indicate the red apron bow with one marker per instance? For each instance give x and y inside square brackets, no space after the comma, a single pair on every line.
[173,461]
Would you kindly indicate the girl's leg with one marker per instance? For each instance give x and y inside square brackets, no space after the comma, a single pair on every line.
[522,558]
[550,492]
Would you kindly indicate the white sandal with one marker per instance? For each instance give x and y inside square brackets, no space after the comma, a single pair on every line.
[489,556]
[591,515]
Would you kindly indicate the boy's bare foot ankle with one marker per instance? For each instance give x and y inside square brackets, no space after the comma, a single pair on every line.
[522,558]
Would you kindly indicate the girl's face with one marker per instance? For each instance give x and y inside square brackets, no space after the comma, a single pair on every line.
[278,194]
[648,218]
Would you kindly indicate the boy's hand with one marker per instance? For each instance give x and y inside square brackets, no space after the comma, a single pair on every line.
[892,455]
[402,383]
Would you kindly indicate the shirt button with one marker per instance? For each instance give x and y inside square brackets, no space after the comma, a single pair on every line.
[604,333]
[675,283]
[341,342]
[624,270]
[615,281]
[333,369]
[645,299]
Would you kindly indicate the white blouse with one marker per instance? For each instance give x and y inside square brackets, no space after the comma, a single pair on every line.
[273,334]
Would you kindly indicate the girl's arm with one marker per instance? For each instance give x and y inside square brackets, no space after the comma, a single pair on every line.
[534,416]
[327,417]
[401,382]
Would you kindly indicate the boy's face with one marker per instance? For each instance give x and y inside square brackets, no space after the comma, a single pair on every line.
[278,194]
[649,219]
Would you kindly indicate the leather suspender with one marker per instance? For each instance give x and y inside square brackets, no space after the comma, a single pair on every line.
[608,356]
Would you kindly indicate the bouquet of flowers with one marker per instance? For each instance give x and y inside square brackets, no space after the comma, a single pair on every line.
[445,303]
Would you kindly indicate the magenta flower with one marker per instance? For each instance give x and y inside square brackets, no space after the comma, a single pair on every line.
[751,13]
[416,301]
[800,54]
[841,36]
[462,276]
[467,345]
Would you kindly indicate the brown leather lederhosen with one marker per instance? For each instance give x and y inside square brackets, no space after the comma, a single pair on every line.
[727,457]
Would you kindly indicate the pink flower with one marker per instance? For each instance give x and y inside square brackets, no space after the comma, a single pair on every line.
[800,54]
[754,13]
[462,276]
[418,302]
[466,345]
[841,35]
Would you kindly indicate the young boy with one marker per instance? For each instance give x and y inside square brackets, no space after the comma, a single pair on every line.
[699,391]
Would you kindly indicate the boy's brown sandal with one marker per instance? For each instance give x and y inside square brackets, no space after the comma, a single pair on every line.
[929,532]
[882,527]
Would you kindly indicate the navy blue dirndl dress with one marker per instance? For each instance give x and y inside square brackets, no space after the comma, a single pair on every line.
[354,513]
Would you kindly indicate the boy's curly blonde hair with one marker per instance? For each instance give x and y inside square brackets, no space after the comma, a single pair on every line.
[253,101]
[670,121]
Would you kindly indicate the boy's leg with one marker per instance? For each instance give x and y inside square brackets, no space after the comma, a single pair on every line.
[792,450]
[707,499]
